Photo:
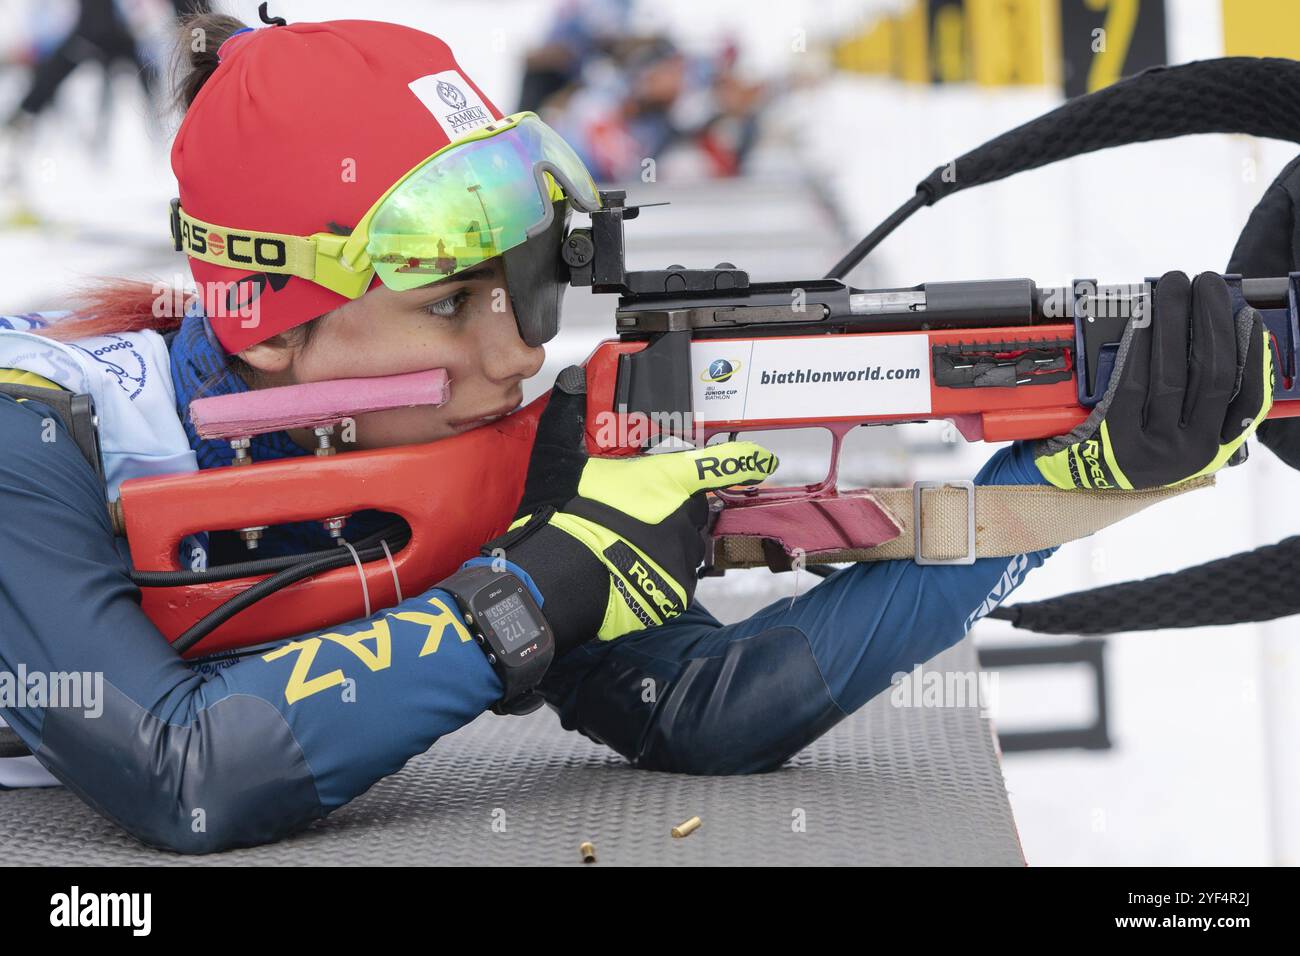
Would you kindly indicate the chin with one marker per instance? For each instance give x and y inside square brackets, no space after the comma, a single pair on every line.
[405,426]
[419,436]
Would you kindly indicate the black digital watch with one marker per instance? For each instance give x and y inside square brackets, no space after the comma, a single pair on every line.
[509,626]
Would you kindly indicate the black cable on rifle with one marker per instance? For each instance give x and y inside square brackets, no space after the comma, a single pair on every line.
[369,548]
[248,597]
[396,534]
[222,572]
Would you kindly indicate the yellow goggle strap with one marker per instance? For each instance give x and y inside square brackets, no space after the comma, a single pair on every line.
[314,258]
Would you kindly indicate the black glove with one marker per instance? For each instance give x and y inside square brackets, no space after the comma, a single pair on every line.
[1190,385]
[613,544]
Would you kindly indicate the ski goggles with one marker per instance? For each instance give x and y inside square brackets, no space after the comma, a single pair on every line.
[485,195]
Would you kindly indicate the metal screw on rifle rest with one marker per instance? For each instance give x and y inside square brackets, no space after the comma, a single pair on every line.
[251,535]
[324,447]
[335,527]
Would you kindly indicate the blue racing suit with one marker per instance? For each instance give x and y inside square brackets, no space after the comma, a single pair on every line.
[202,759]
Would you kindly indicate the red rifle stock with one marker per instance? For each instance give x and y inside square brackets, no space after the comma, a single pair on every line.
[462,491]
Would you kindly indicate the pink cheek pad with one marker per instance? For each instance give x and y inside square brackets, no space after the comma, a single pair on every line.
[315,403]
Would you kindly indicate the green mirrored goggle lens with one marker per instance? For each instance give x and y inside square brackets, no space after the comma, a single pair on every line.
[472,203]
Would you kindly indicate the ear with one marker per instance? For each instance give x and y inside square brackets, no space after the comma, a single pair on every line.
[272,357]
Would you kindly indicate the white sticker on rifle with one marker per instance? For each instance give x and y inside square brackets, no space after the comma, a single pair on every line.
[811,376]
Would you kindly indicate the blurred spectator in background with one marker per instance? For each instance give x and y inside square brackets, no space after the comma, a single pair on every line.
[622,100]
[726,125]
[582,30]
[105,33]
[101,35]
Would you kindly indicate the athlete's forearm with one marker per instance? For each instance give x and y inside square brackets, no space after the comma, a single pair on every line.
[916,611]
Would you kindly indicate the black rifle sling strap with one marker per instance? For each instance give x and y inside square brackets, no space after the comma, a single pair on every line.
[1253,586]
[1234,94]
[1271,240]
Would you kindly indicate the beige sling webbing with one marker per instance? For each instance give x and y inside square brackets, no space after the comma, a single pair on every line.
[1008,520]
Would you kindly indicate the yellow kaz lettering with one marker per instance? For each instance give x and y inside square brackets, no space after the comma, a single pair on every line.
[372,646]
[299,685]
[437,624]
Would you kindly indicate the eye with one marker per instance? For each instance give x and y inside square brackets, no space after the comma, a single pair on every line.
[449,307]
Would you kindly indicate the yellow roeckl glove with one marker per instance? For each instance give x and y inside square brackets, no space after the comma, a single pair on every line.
[1191,383]
[613,544]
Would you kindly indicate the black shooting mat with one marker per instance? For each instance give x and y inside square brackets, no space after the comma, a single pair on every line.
[889,785]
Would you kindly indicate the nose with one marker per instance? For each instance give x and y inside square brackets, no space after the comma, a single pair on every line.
[507,358]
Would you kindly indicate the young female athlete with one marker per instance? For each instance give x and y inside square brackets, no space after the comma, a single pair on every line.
[309,157]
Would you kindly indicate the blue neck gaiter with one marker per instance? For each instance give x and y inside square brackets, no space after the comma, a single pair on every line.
[200,369]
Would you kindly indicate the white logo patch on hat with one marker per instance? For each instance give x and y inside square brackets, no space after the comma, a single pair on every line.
[453,103]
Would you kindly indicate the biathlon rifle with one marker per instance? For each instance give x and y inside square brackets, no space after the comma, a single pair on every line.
[704,352]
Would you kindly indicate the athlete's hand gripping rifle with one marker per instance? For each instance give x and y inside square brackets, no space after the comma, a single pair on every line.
[703,352]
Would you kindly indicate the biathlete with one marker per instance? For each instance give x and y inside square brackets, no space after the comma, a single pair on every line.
[344,152]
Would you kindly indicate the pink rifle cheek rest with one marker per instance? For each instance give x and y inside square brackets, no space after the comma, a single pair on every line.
[315,403]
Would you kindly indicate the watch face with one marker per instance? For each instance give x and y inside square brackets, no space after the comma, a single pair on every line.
[512,621]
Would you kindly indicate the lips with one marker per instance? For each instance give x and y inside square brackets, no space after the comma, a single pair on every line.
[465,424]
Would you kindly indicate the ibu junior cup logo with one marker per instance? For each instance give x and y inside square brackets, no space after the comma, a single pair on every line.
[719,371]
[451,95]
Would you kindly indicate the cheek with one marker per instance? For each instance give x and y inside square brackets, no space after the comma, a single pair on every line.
[387,345]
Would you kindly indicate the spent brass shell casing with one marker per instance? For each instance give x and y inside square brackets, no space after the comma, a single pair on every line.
[687,828]
[588,853]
